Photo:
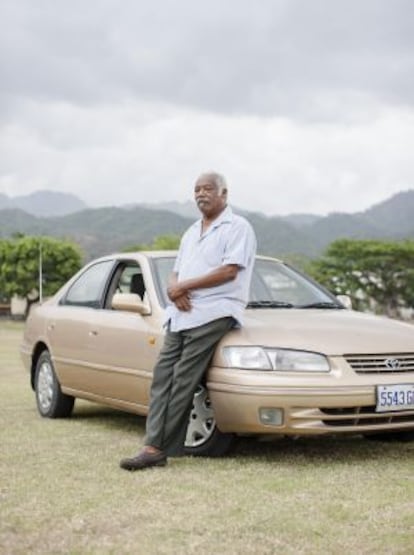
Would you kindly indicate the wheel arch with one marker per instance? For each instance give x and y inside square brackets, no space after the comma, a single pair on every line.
[38,350]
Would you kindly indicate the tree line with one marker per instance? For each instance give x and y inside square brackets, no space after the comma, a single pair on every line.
[377,275]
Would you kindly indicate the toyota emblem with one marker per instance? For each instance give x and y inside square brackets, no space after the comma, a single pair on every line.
[392,363]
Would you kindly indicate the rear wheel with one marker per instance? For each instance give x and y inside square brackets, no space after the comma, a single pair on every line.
[203,437]
[51,402]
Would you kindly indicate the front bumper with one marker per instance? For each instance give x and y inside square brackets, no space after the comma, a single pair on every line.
[310,405]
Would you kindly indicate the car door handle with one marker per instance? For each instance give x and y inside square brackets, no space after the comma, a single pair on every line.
[51,327]
[93,333]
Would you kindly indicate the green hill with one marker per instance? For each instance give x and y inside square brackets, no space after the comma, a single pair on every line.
[103,230]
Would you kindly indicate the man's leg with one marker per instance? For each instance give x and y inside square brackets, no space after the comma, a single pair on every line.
[163,375]
[183,361]
[150,454]
[197,351]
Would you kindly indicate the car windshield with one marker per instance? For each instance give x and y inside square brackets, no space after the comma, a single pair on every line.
[274,285]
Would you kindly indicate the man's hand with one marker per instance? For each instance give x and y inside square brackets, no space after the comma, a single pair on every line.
[180,292]
[179,296]
[183,303]
[176,290]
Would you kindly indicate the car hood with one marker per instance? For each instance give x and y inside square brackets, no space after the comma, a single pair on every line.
[332,332]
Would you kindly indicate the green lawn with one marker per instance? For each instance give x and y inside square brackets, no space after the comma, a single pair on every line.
[61,490]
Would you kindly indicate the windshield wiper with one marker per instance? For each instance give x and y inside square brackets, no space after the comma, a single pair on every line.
[269,304]
[321,304]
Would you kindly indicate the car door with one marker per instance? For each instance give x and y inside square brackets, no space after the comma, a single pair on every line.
[70,327]
[123,346]
[123,350]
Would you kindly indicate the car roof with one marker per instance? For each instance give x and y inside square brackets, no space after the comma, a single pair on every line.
[163,254]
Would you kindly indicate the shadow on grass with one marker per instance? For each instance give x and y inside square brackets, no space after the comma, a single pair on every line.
[302,450]
[322,450]
[108,417]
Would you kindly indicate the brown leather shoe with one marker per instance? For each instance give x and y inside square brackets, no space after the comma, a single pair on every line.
[144,459]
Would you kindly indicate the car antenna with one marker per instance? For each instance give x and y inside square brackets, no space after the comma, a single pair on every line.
[40,273]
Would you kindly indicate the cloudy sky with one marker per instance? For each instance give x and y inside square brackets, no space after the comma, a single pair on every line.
[304,105]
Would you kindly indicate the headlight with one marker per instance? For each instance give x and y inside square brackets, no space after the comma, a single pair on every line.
[254,358]
[282,360]
[302,361]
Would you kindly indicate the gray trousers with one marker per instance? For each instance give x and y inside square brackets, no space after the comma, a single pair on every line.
[182,363]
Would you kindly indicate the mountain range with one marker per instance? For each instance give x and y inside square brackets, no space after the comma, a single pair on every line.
[44,203]
[103,230]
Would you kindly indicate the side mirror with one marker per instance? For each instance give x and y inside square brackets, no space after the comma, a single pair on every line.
[130,302]
[345,300]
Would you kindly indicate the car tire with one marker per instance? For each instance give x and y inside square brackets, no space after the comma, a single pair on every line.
[203,437]
[392,436]
[51,402]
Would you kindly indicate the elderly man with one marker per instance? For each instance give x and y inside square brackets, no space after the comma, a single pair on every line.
[208,292]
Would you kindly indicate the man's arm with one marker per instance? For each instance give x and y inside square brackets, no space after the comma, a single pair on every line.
[181,302]
[177,290]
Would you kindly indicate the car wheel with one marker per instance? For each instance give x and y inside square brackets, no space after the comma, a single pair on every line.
[203,437]
[51,402]
[392,436]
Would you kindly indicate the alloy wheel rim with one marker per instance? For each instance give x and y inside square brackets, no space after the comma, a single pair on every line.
[201,424]
[45,386]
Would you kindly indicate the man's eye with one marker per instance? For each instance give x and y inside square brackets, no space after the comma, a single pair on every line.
[206,188]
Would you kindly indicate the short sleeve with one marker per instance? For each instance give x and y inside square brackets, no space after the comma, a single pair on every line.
[241,244]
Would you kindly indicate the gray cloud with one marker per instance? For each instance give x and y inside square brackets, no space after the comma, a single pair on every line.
[291,57]
[305,105]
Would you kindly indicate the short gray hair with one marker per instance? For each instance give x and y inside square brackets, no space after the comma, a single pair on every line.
[218,180]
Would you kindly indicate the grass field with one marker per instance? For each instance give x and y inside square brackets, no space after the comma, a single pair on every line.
[61,490]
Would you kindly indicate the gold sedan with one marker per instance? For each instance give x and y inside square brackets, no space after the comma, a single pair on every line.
[302,364]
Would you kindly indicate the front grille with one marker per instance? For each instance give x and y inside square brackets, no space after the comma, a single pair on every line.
[394,363]
[363,416]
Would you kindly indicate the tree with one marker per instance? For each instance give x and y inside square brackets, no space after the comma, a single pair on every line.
[160,243]
[379,273]
[20,262]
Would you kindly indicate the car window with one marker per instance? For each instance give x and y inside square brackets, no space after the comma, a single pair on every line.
[127,278]
[272,282]
[163,268]
[130,280]
[275,282]
[88,289]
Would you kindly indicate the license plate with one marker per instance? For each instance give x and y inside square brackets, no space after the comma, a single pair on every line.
[395,397]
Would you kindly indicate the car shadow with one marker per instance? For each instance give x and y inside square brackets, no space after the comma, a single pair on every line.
[297,450]
[108,417]
[321,450]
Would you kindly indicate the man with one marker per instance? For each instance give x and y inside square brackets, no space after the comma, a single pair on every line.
[208,292]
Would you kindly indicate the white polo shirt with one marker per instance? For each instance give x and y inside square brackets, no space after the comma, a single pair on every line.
[230,239]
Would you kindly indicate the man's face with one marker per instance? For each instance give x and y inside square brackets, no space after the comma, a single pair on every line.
[209,201]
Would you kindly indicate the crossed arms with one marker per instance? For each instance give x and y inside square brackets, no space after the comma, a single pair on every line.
[180,292]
